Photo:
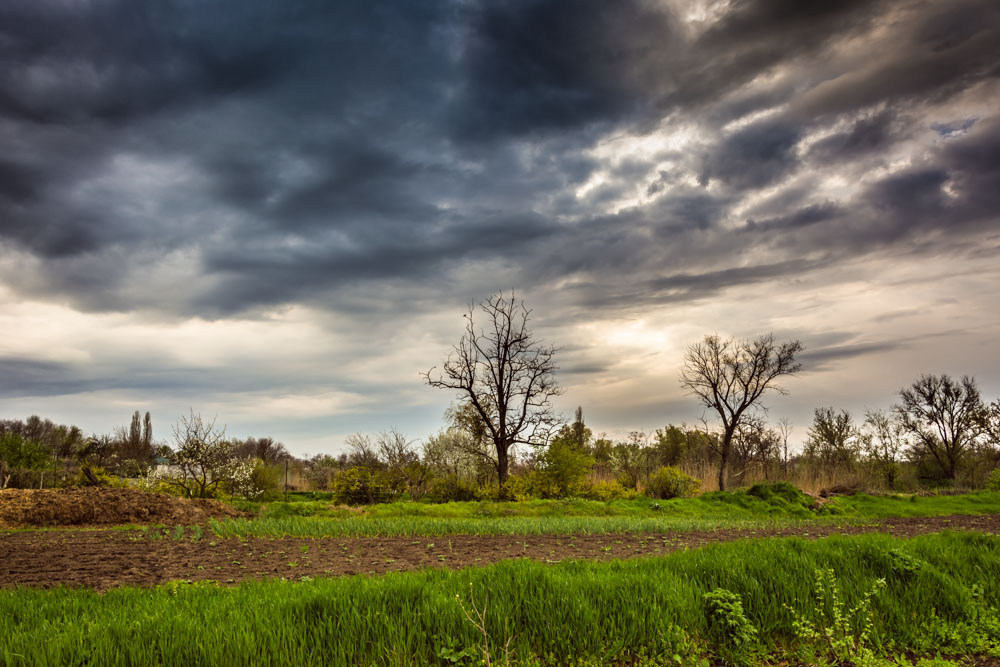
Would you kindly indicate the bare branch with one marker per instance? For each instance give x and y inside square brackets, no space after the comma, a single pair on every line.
[504,374]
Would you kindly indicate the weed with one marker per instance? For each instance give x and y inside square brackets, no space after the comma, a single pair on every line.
[841,636]
[732,631]
[478,619]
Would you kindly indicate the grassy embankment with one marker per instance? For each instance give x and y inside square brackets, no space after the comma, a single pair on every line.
[778,505]
[941,593]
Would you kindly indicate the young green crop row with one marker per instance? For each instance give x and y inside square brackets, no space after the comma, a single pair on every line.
[734,603]
[768,506]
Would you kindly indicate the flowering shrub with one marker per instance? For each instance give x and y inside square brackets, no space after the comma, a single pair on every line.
[205,463]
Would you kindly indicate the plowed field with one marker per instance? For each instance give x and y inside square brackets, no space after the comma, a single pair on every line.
[103,558]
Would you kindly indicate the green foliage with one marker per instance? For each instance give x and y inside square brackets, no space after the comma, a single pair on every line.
[993,481]
[18,453]
[778,493]
[535,484]
[451,488]
[515,489]
[563,467]
[838,635]
[608,491]
[265,481]
[103,477]
[669,482]
[362,486]
[716,509]
[731,631]
[572,613]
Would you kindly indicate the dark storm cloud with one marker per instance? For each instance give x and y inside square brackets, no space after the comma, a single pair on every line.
[213,160]
[109,371]
[753,37]
[531,65]
[863,137]
[821,358]
[949,47]
[31,377]
[754,156]
[114,61]
[809,215]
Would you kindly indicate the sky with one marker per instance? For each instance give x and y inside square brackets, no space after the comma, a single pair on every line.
[276,212]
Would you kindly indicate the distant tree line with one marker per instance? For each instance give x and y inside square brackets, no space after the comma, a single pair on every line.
[502,439]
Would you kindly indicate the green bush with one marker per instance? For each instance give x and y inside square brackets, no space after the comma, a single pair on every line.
[362,486]
[537,484]
[733,634]
[993,481]
[267,480]
[669,482]
[451,488]
[16,454]
[780,493]
[562,472]
[103,477]
[606,491]
[515,489]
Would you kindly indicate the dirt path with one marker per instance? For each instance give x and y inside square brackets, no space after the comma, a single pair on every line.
[104,559]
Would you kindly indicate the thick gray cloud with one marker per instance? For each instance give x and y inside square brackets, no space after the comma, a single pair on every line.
[377,161]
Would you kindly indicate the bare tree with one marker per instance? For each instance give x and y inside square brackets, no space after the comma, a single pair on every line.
[402,461]
[753,442]
[505,375]
[785,430]
[883,441]
[267,449]
[944,416]
[362,452]
[730,376]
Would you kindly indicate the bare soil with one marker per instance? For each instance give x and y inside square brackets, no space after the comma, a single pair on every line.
[23,508]
[104,559]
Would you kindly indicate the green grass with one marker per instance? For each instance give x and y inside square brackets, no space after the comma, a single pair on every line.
[757,508]
[941,594]
[983,502]
[416,526]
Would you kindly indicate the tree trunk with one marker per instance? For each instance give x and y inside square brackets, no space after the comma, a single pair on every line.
[727,441]
[503,464]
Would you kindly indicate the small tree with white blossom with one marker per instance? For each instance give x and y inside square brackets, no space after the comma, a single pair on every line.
[206,462]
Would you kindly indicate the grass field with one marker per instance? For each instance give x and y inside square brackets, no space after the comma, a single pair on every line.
[941,593]
[772,506]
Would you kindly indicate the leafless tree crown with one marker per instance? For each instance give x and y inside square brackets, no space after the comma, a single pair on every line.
[504,373]
[731,375]
[945,417]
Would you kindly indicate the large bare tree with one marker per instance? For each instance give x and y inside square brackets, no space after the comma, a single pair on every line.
[730,376]
[944,416]
[505,375]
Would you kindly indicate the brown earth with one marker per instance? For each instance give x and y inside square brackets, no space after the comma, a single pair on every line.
[21,508]
[103,559]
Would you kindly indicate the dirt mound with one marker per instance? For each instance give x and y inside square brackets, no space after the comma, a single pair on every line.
[101,506]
